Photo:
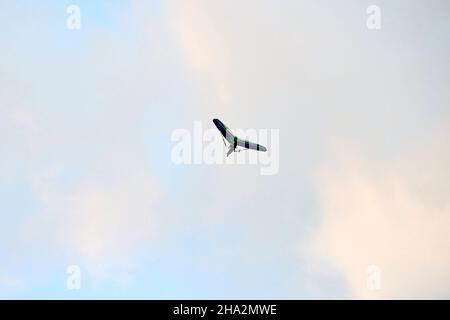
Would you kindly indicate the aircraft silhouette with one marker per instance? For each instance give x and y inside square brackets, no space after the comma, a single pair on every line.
[235,141]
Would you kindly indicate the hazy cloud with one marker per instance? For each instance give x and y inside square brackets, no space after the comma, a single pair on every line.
[393,215]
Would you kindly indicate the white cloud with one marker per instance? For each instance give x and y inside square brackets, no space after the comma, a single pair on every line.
[203,46]
[395,215]
[103,222]
[309,68]
[110,222]
[75,137]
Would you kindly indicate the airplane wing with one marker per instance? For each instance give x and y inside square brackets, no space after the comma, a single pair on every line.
[250,145]
[234,141]
[226,133]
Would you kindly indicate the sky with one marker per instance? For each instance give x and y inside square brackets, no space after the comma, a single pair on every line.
[358,209]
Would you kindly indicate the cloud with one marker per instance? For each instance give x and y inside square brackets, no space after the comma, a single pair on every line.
[73,139]
[84,122]
[203,45]
[109,221]
[96,203]
[395,215]
[314,70]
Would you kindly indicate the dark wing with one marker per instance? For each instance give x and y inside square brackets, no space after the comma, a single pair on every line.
[226,133]
[250,145]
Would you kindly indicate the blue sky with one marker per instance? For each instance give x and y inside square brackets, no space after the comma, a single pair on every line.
[86,176]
